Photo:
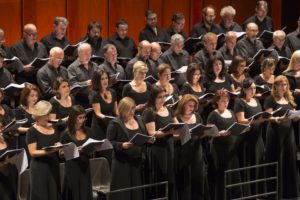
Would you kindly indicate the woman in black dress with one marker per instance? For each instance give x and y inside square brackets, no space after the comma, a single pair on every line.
[44,168]
[293,75]
[104,103]
[237,71]
[280,141]
[138,89]
[61,102]
[161,153]
[77,184]
[223,155]
[251,149]
[194,76]
[127,158]
[164,78]
[8,116]
[29,96]
[191,173]
[8,171]
[266,78]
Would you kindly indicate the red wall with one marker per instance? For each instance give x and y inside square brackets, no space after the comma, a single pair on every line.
[15,13]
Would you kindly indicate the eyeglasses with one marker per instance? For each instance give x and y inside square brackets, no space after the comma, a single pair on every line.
[32,34]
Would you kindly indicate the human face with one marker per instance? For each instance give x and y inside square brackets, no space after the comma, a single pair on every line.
[152,20]
[111,55]
[252,31]
[160,99]
[189,107]
[177,47]
[64,89]
[60,30]
[30,35]
[32,98]
[196,76]
[141,75]
[261,12]
[145,51]
[178,25]
[269,71]
[223,103]
[85,55]
[129,115]
[122,30]
[94,33]
[43,120]
[281,87]
[155,53]
[250,92]
[296,64]
[230,43]
[227,20]
[211,45]
[56,59]
[104,81]
[165,76]
[217,67]
[210,16]
[279,41]
[80,120]
[1,62]
[241,68]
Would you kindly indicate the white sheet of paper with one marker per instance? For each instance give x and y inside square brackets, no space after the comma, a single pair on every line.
[71,151]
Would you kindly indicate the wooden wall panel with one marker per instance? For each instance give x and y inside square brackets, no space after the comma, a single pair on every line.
[244,9]
[42,13]
[11,20]
[80,13]
[130,10]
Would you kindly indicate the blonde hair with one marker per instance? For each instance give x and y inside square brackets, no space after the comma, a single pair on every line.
[126,105]
[139,66]
[183,101]
[288,94]
[296,55]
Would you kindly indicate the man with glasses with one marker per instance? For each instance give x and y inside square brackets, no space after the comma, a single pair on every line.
[49,72]
[27,49]
[152,32]
[178,22]
[207,24]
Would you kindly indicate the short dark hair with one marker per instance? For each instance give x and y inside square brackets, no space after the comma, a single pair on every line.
[149,11]
[246,84]
[93,24]
[177,16]
[121,22]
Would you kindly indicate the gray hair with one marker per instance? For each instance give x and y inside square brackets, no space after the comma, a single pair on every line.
[278,33]
[176,38]
[83,46]
[59,20]
[227,10]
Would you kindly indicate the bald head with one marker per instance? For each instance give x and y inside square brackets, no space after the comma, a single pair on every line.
[155,51]
[251,31]
[144,49]
[30,34]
